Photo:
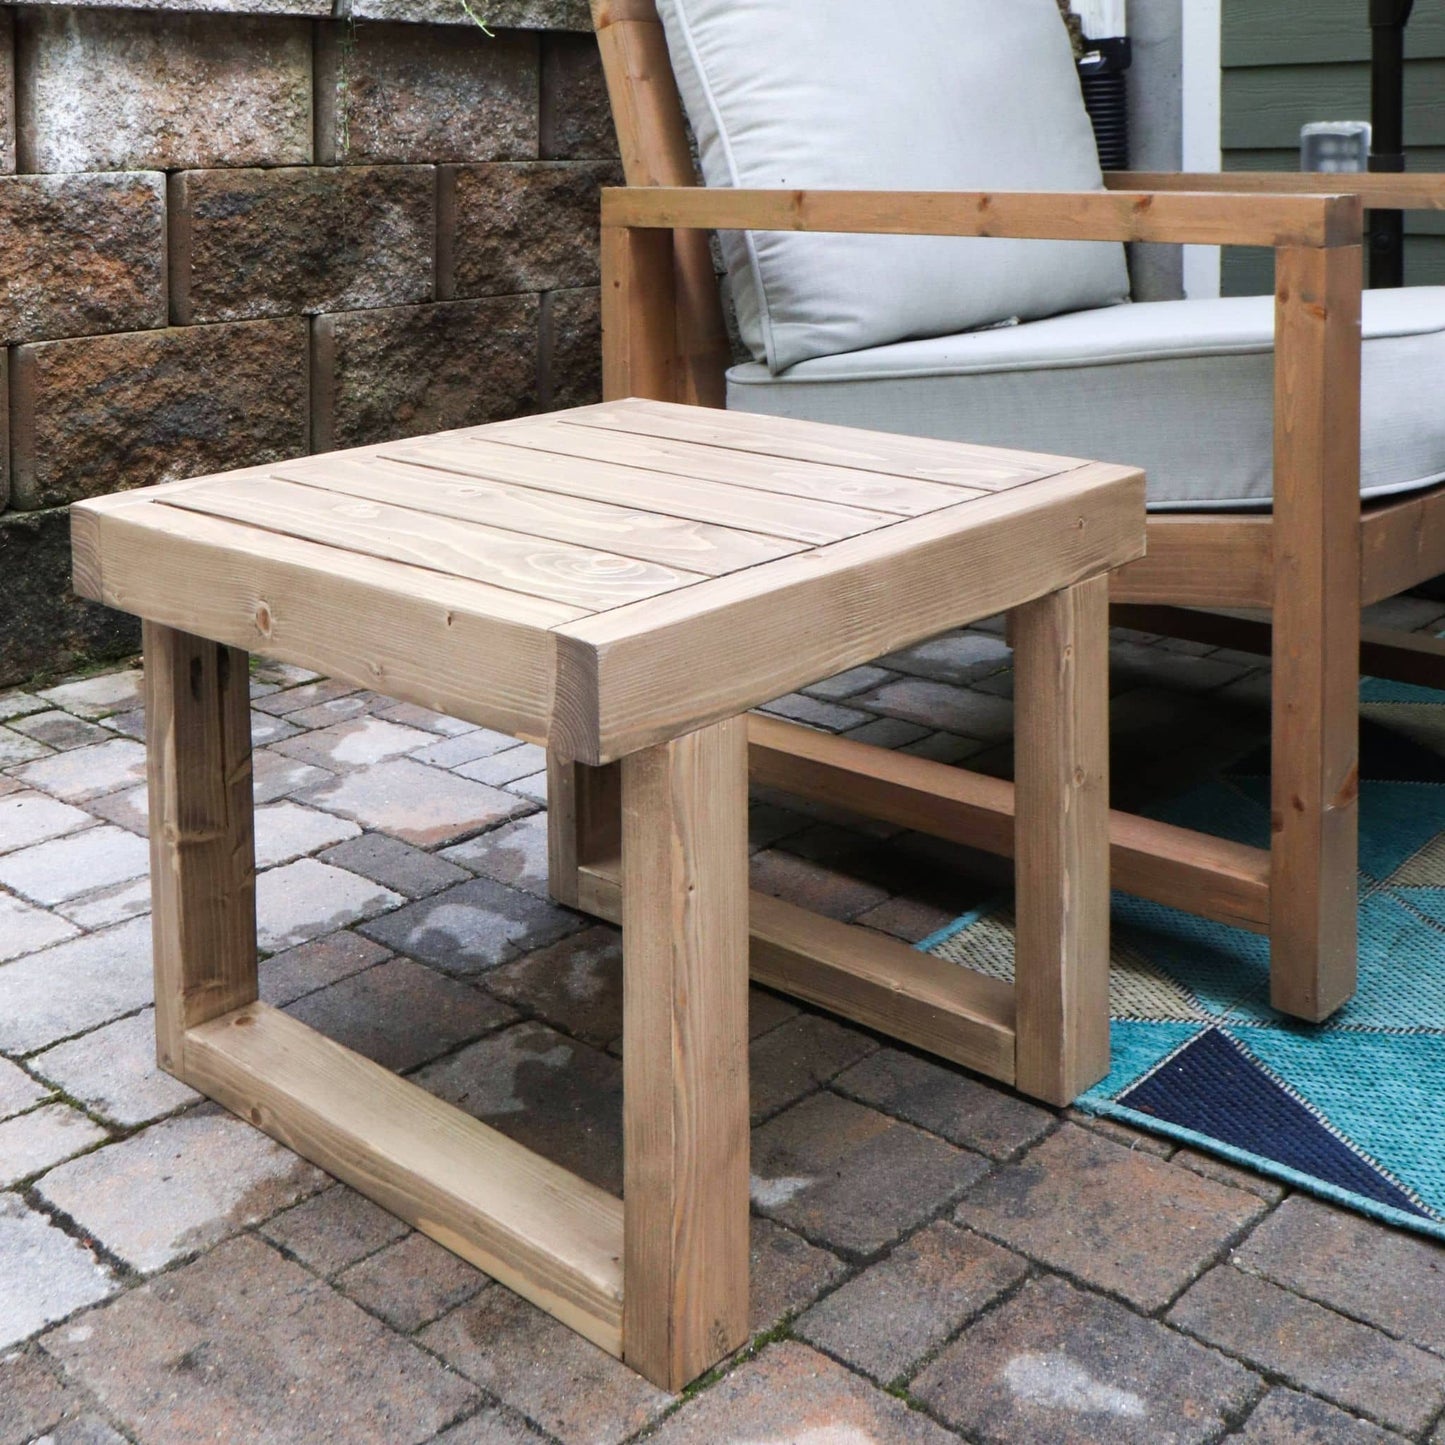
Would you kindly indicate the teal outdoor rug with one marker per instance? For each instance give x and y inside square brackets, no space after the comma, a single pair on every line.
[1352,1110]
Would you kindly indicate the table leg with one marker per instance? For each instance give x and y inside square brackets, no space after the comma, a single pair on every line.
[203,868]
[584,811]
[685,1064]
[1061,966]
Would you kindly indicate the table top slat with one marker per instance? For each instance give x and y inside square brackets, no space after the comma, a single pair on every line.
[987,469]
[628,531]
[899,496]
[796,518]
[592,580]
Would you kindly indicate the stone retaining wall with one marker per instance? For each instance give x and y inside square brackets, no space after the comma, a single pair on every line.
[259,228]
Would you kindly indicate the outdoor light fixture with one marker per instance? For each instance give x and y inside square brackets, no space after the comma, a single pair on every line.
[1352,146]
[1101,74]
[1335,146]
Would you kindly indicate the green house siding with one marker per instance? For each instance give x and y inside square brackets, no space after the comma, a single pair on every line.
[1286,63]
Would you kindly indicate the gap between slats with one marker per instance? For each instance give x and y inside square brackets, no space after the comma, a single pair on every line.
[471,552]
[805,519]
[645,534]
[783,437]
[799,477]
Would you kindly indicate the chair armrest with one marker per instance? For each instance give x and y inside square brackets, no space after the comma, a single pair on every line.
[1381,191]
[1214,219]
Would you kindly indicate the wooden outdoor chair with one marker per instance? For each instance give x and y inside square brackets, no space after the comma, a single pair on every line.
[1292,539]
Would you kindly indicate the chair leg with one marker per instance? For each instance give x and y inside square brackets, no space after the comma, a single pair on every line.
[203,865]
[684,1058]
[1314,726]
[1061,967]
[1314,817]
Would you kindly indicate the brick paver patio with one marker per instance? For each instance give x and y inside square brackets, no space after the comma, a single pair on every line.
[928,1266]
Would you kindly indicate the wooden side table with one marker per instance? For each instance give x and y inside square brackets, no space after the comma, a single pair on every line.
[622,583]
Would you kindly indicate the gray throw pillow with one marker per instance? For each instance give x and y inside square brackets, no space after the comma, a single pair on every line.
[925,95]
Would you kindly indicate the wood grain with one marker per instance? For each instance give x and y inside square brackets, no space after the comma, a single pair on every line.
[1191,218]
[636,675]
[554,571]
[1061,857]
[864,976]
[685,1052]
[752,470]
[1402,543]
[461,648]
[1175,866]
[1314,788]
[787,440]
[651,536]
[639,315]
[1202,559]
[203,855]
[801,519]
[885,985]
[86,559]
[584,821]
[1207,559]
[652,138]
[549,1236]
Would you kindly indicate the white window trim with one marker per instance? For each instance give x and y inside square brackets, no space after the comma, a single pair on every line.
[1202,66]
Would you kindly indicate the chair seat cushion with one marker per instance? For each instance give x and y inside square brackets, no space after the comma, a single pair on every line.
[934,95]
[1183,389]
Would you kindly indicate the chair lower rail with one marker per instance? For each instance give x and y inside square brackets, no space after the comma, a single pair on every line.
[864,976]
[1226,881]
[1414,657]
[552,1237]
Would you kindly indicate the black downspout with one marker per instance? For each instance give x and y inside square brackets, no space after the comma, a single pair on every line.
[1388,19]
[1105,84]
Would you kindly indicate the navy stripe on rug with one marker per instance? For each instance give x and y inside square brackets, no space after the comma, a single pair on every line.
[1214,1087]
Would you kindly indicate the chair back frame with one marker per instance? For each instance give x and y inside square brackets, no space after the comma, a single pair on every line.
[653,137]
